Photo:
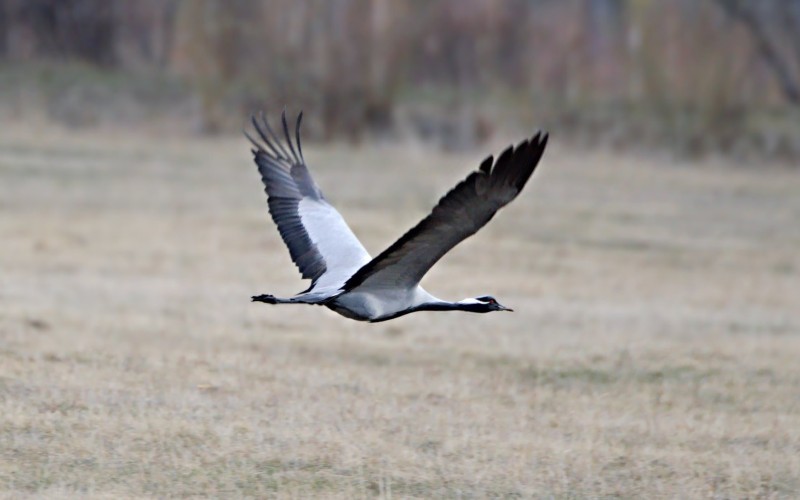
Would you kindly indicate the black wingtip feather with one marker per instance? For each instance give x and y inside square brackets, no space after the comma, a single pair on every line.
[486,165]
[540,139]
[254,142]
[533,154]
[271,141]
[504,156]
[284,154]
[265,132]
[297,136]
[539,143]
[288,137]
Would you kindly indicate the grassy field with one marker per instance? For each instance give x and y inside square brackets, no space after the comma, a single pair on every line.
[655,351]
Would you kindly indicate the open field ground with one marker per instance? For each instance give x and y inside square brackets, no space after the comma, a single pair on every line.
[655,351]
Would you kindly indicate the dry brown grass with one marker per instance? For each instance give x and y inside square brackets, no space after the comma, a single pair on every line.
[654,351]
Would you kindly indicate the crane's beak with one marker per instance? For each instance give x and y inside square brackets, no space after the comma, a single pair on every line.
[504,308]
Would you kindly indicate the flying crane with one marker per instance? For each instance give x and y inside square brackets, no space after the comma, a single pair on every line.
[343,276]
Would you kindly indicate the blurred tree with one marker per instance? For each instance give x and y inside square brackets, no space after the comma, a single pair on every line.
[761,19]
[84,29]
[381,87]
[206,50]
[680,71]
[606,22]
[3,28]
[145,32]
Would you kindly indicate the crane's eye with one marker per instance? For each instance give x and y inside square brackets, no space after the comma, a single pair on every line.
[492,301]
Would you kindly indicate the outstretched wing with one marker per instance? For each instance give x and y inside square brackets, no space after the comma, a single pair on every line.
[320,242]
[459,214]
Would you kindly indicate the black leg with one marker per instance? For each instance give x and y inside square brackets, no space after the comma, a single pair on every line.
[269,299]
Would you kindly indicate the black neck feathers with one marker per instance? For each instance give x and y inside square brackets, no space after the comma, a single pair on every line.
[477,307]
[438,306]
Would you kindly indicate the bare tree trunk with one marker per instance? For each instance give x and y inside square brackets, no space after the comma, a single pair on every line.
[206,44]
[790,18]
[164,36]
[3,28]
[790,86]
[379,94]
[606,30]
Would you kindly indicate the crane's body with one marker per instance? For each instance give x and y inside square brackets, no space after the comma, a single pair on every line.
[382,305]
[344,276]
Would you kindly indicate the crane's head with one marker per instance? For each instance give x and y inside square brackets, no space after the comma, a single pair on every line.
[483,304]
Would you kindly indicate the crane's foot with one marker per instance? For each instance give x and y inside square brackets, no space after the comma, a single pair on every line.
[268,299]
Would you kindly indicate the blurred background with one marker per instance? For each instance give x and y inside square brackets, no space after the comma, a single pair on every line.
[691,78]
[652,260]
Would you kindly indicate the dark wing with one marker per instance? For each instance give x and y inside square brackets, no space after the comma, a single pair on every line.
[320,242]
[459,214]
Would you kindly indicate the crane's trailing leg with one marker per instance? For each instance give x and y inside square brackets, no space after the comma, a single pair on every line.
[303,298]
[270,299]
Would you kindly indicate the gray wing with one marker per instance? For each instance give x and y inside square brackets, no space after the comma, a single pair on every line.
[320,242]
[458,215]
